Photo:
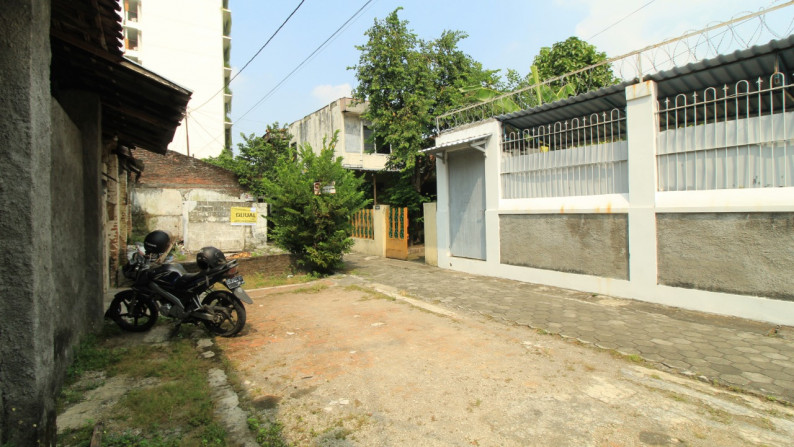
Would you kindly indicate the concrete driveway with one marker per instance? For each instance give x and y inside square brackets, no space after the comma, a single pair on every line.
[338,363]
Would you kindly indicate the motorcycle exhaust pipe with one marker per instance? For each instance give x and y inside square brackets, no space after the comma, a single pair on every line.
[176,304]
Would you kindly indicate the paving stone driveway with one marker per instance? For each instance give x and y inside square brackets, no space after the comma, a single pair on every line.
[752,356]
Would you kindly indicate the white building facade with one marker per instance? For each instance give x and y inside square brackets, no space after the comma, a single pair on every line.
[677,190]
[354,144]
[188,42]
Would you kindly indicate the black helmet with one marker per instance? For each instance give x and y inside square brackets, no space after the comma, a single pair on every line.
[209,258]
[156,242]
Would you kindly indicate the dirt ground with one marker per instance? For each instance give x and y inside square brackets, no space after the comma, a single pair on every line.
[342,365]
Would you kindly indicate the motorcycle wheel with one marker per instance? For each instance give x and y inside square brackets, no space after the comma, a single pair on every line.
[228,311]
[131,313]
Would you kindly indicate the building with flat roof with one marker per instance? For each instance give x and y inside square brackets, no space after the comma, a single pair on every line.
[188,42]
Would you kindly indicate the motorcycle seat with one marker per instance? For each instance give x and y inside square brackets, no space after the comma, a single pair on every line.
[189,279]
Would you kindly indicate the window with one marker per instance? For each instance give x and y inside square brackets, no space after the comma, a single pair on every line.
[373,144]
[369,141]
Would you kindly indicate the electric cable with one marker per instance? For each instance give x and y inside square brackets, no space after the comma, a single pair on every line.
[624,18]
[226,84]
[304,61]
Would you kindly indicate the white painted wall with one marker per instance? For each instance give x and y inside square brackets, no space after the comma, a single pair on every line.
[345,116]
[183,41]
[169,210]
[641,205]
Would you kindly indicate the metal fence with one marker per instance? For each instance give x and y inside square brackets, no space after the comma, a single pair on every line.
[736,34]
[734,136]
[580,157]
[363,227]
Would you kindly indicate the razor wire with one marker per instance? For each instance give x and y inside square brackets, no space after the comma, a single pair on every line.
[739,33]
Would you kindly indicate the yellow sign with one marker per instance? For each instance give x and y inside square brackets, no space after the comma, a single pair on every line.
[243,216]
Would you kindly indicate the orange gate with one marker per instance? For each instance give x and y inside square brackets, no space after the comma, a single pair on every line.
[397,234]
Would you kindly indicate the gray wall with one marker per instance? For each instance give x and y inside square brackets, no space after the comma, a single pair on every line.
[591,244]
[50,232]
[26,287]
[742,253]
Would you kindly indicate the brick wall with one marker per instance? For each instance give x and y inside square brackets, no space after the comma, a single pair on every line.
[177,171]
[270,265]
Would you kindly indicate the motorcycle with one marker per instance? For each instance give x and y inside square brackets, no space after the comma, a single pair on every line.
[169,290]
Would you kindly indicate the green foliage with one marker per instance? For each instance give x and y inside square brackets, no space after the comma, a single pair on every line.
[500,104]
[90,355]
[315,228]
[408,82]
[268,434]
[545,92]
[570,55]
[256,157]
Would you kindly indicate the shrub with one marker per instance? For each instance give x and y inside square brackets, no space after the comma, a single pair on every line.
[314,227]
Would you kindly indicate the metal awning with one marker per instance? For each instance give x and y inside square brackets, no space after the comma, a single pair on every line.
[477,143]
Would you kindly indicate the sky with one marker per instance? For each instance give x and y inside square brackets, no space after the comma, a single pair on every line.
[502,34]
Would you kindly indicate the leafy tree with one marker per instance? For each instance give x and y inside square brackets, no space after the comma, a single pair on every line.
[315,228]
[408,82]
[570,55]
[256,157]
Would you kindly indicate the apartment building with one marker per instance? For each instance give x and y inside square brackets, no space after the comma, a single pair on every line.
[188,42]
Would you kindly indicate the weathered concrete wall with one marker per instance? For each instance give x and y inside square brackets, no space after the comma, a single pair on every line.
[191,200]
[431,234]
[345,117]
[209,223]
[27,372]
[742,253]
[76,222]
[158,209]
[591,244]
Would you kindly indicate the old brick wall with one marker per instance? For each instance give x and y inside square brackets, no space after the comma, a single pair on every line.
[178,171]
[191,200]
[270,265]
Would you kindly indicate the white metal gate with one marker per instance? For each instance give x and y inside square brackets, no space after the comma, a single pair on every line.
[467,203]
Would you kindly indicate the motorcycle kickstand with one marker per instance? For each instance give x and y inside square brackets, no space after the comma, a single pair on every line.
[175,330]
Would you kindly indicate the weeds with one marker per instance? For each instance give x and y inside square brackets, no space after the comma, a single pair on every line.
[259,281]
[317,288]
[177,411]
[370,293]
[268,434]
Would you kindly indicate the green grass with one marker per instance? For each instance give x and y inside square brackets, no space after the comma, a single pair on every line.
[176,411]
[90,355]
[259,281]
[316,288]
[268,434]
[371,294]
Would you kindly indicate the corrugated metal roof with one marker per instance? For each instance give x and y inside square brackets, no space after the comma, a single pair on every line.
[749,64]
[139,107]
[452,144]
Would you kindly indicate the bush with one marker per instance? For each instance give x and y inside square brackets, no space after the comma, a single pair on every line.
[315,228]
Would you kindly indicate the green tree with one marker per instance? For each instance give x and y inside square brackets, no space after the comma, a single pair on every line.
[408,82]
[315,228]
[256,157]
[570,55]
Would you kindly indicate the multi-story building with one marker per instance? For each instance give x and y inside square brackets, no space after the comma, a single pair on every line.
[359,151]
[188,42]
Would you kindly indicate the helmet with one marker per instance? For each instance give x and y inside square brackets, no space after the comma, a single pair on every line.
[156,242]
[209,258]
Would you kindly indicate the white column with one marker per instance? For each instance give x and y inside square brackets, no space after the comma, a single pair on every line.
[442,212]
[642,129]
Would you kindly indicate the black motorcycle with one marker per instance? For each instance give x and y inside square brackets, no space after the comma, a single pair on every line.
[169,290]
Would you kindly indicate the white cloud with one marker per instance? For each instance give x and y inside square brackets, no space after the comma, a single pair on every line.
[622,26]
[329,93]
[660,20]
